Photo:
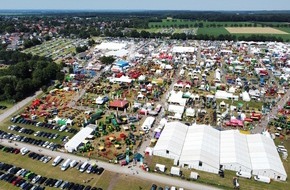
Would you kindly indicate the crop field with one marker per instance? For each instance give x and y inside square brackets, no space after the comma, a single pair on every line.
[254,30]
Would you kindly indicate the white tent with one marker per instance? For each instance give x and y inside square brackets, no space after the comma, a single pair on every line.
[69,122]
[111,46]
[201,149]
[190,112]
[246,96]
[181,49]
[265,158]
[225,95]
[176,97]
[118,53]
[234,152]
[176,109]
[75,142]
[171,141]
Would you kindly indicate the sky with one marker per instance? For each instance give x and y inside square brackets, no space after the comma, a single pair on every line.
[147,4]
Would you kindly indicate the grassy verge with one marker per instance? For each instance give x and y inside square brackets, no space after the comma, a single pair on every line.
[224,183]
[6,103]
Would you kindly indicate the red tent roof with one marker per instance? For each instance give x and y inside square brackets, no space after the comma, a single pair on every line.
[118,103]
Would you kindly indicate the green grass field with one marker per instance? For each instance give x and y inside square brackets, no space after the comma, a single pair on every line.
[6,103]
[212,31]
[213,28]
[284,29]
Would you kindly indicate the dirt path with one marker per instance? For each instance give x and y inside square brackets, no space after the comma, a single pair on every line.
[113,181]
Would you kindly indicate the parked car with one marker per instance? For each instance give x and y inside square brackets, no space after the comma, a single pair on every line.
[153,187]
[24,151]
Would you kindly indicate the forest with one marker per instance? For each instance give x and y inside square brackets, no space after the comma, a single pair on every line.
[25,74]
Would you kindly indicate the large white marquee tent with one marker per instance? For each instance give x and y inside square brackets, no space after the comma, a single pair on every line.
[205,148]
[234,154]
[170,143]
[74,143]
[201,149]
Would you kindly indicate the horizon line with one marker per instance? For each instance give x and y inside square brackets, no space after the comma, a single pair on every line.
[113,10]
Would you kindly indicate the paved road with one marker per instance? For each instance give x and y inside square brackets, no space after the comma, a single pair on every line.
[17,106]
[274,111]
[132,171]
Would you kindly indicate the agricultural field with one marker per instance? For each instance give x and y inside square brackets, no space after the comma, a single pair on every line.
[254,30]
[239,29]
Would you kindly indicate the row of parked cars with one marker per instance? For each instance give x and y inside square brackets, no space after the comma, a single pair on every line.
[26,121]
[46,135]
[20,138]
[21,129]
[82,166]
[18,177]
[40,157]
[27,180]
[154,187]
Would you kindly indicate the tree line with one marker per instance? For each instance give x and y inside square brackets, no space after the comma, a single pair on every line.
[26,74]
[221,37]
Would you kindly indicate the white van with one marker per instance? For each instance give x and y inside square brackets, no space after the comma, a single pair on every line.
[62,128]
[73,163]
[65,165]
[84,166]
[56,161]
[244,174]
[24,151]
[262,178]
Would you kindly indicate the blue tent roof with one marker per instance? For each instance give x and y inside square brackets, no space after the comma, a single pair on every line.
[122,63]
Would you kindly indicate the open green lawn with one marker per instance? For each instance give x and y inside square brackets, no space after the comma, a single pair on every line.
[284,29]
[252,104]
[6,103]
[212,31]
